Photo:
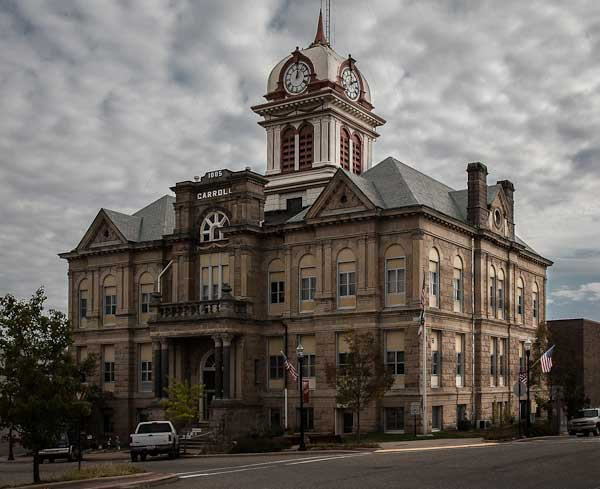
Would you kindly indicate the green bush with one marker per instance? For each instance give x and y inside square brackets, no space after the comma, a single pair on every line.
[259,444]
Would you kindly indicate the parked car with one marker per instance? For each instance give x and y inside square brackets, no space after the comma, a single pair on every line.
[63,448]
[154,438]
[586,421]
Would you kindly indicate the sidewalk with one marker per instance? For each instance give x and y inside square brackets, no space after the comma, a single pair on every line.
[446,442]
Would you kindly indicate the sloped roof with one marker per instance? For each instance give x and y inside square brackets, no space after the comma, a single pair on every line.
[147,224]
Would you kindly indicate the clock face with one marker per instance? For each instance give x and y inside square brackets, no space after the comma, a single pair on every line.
[350,84]
[296,78]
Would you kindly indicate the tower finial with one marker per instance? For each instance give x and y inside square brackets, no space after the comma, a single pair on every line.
[320,37]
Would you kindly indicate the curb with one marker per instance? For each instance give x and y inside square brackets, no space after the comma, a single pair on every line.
[285,453]
[119,481]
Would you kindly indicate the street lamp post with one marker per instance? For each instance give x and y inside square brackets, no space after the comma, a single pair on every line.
[80,395]
[300,355]
[528,410]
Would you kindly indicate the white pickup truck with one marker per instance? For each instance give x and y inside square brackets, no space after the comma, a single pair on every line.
[154,438]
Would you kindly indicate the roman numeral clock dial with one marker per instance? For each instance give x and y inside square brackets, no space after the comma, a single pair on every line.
[296,78]
[350,84]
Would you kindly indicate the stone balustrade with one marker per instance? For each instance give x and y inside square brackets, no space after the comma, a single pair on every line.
[198,310]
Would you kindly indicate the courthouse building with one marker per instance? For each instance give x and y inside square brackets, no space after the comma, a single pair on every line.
[209,285]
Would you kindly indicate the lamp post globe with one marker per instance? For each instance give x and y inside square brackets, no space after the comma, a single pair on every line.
[300,355]
[527,346]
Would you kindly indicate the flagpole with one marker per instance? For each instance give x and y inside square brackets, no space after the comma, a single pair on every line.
[285,407]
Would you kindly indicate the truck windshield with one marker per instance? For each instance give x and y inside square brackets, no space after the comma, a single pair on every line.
[587,413]
[154,428]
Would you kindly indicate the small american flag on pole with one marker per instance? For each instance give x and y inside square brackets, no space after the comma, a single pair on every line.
[546,360]
[422,319]
[289,367]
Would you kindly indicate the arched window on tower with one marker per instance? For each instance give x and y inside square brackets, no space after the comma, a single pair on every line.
[288,139]
[306,146]
[345,149]
[356,154]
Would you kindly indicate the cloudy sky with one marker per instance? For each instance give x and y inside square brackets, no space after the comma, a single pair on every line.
[108,103]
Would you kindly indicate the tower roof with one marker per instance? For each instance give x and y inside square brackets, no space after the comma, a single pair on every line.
[320,37]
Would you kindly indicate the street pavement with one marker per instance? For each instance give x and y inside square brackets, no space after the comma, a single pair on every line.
[549,463]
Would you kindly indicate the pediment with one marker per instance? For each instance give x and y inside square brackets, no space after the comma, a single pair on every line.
[499,205]
[341,196]
[102,232]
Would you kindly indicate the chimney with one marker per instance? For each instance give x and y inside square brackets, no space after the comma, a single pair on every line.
[509,191]
[477,212]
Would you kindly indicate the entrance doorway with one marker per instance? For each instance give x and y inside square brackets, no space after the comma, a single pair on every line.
[348,422]
[208,379]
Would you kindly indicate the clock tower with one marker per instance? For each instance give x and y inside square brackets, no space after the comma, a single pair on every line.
[318,117]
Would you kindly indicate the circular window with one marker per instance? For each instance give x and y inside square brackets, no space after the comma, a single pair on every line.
[497,218]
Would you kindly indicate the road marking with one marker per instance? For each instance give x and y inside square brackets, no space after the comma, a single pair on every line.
[444,447]
[199,473]
[329,458]
[223,472]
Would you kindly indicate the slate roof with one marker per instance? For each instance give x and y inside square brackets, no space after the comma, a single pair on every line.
[392,184]
[147,224]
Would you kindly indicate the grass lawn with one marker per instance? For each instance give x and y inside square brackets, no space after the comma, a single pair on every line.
[95,471]
[438,435]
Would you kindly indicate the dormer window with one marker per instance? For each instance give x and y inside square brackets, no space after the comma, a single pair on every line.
[211,226]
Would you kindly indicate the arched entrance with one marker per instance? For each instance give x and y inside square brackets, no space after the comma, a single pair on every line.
[207,377]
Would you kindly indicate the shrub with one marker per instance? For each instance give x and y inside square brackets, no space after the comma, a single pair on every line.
[259,444]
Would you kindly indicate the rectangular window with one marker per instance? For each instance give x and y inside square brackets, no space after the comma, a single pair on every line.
[502,359]
[347,282]
[501,298]
[110,301]
[108,364]
[536,310]
[393,419]
[436,358]
[275,367]
[308,288]
[434,285]
[395,275]
[520,302]
[457,290]
[394,352]
[460,359]
[146,367]
[276,370]
[493,353]
[214,272]
[309,418]
[436,418]
[83,295]
[277,288]
[493,295]
[343,352]
[309,365]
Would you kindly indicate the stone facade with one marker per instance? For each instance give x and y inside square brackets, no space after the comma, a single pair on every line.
[209,286]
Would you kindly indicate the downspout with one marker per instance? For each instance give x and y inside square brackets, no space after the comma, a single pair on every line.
[473,330]
[158,287]
[285,381]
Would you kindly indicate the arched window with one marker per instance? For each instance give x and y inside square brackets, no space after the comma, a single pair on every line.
[211,226]
[288,150]
[500,313]
[82,300]
[308,283]
[356,154]
[276,287]
[457,284]
[146,289]
[345,149]
[434,278]
[346,279]
[536,303]
[493,288]
[520,299]
[109,301]
[305,146]
[395,276]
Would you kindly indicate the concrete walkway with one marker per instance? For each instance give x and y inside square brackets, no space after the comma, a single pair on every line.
[429,443]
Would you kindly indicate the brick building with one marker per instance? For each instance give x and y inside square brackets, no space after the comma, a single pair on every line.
[577,344]
[323,244]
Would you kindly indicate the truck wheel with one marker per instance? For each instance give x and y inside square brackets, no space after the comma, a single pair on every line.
[597,430]
[587,433]
[134,457]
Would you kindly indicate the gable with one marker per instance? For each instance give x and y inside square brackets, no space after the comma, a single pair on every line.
[341,196]
[499,214]
[102,232]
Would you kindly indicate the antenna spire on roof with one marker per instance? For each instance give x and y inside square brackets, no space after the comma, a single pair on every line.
[320,37]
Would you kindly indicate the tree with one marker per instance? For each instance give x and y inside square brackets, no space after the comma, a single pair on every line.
[39,380]
[183,403]
[364,377]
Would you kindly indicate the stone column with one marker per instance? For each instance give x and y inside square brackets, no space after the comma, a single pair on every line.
[226,339]
[156,368]
[218,366]
[164,367]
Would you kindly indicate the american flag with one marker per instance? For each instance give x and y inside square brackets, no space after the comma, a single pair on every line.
[523,377]
[422,320]
[546,360]
[289,367]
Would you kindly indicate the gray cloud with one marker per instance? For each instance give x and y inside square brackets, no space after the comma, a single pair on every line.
[106,104]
